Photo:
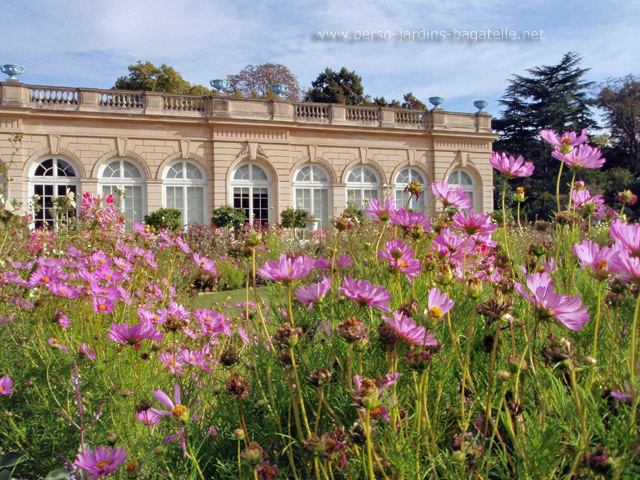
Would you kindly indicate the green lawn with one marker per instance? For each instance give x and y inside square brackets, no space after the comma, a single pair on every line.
[230,297]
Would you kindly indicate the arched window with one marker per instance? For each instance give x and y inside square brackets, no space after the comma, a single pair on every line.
[464,180]
[402,181]
[362,184]
[52,179]
[184,189]
[251,188]
[125,181]
[311,186]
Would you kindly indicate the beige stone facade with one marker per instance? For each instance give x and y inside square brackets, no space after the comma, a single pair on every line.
[236,150]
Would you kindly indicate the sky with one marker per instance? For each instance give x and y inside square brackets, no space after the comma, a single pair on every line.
[91,43]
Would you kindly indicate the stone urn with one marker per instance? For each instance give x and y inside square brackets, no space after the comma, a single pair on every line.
[12,70]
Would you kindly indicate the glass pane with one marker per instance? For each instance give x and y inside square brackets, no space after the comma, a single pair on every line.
[112,170]
[403,176]
[242,173]
[355,175]
[45,169]
[319,175]
[176,171]
[64,169]
[369,175]
[304,175]
[258,173]
[465,179]
[193,172]
[130,170]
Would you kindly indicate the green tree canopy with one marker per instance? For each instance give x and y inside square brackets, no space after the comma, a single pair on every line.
[550,97]
[336,87]
[146,76]
[256,81]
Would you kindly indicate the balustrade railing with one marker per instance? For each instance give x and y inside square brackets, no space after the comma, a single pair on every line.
[53,96]
[363,115]
[121,100]
[183,103]
[410,118]
[312,112]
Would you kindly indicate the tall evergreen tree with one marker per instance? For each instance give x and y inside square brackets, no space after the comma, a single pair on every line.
[550,97]
[337,87]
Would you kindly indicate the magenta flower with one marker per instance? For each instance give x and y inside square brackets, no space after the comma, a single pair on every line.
[314,293]
[451,242]
[103,304]
[438,304]
[580,157]
[567,310]
[599,261]
[183,245]
[54,342]
[343,261]
[476,225]
[173,362]
[376,210]
[148,417]
[451,197]
[6,386]
[406,219]
[626,236]
[365,293]
[567,138]
[102,461]
[46,275]
[134,334]
[176,409]
[192,357]
[205,263]
[86,351]
[627,265]
[287,269]
[100,258]
[213,323]
[64,290]
[407,330]
[583,200]
[511,167]
[401,259]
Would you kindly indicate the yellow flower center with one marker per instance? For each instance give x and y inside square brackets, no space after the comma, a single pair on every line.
[601,265]
[54,341]
[202,263]
[104,463]
[436,312]
[179,410]
[402,263]
[101,262]
[63,292]
[102,307]
[566,141]
[172,362]
[45,279]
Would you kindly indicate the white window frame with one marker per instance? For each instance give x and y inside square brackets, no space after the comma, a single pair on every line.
[124,182]
[252,183]
[185,183]
[468,189]
[419,204]
[54,180]
[313,185]
[362,185]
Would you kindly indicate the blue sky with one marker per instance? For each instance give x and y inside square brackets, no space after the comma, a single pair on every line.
[90,43]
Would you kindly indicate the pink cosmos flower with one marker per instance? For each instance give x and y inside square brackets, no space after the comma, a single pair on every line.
[401,259]
[176,410]
[192,357]
[26,265]
[64,290]
[343,261]
[567,138]
[100,258]
[314,293]
[365,293]
[598,260]
[173,362]
[567,310]
[84,350]
[477,225]
[148,417]
[101,462]
[205,263]
[451,197]
[6,386]
[183,245]
[406,219]
[511,167]
[376,210]
[452,242]
[63,320]
[627,265]
[103,304]
[583,200]
[627,236]
[141,229]
[580,157]
[46,275]
[407,330]
[213,323]
[55,343]
[287,269]
[134,334]
[438,304]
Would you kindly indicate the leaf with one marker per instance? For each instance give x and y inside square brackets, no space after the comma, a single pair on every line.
[58,474]
[5,475]
[12,459]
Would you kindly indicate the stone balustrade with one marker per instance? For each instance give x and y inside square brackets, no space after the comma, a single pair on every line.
[14,94]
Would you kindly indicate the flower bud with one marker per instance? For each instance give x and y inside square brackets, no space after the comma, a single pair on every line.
[503,375]
[458,456]
[239,434]
[159,451]
[111,439]
[131,470]
[519,195]
[253,453]
[253,238]
[590,361]
[579,185]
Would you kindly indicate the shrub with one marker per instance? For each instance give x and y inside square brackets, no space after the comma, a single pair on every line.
[291,218]
[165,218]
[228,216]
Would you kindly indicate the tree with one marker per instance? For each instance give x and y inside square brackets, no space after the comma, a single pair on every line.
[620,101]
[336,87]
[412,102]
[256,81]
[551,97]
[146,76]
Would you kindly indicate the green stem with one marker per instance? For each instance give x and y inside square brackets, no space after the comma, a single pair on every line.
[372,476]
[504,217]
[632,363]
[519,224]
[299,390]
[193,457]
[558,183]
[573,179]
